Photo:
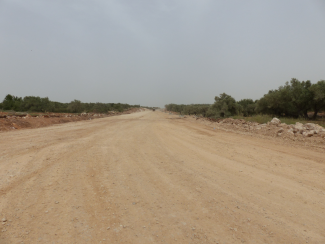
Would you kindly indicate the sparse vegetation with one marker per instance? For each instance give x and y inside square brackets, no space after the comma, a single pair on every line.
[151,108]
[38,104]
[296,100]
[192,109]
[225,106]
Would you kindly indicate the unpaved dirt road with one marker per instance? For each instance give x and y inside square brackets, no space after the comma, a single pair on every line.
[151,177]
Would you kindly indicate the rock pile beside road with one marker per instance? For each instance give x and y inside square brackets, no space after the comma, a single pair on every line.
[274,128]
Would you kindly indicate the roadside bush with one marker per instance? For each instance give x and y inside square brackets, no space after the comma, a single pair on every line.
[75,106]
[318,95]
[38,104]
[11,103]
[192,109]
[212,113]
[293,100]
[225,106]
[247,107]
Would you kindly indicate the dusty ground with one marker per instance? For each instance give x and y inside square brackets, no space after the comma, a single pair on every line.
[150,177]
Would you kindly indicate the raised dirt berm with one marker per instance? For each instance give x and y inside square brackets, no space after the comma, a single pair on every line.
[12,120]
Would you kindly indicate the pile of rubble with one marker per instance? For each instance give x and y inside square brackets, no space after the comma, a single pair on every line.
[274,128]
[306,130]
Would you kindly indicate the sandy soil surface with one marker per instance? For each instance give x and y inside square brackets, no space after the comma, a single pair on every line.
[150,177]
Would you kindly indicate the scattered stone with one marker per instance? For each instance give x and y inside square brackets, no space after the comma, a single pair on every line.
[299,128]
[310,126]
[275,121]
[295,132]
[4,220]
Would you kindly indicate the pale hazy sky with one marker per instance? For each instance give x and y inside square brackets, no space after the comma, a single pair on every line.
[153,52]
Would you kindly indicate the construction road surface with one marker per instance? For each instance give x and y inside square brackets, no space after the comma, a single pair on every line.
[151,177]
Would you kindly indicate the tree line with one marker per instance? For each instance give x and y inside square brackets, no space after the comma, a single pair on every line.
[294,99]
[39,104]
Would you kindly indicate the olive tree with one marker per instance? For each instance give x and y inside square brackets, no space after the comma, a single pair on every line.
[225,106]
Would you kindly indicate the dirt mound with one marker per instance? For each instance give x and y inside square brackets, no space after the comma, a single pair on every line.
[13,121]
